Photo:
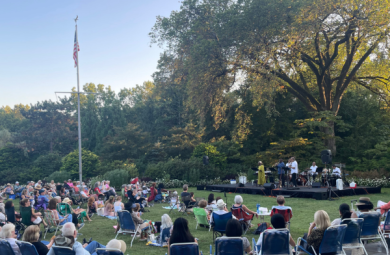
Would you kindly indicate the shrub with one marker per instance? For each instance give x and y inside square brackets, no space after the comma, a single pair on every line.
[117,177]
[90,163]
[58,176]
[215,157]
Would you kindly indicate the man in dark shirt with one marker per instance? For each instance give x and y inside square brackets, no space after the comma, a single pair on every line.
[185,191]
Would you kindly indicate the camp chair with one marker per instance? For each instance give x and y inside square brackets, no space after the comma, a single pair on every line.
[25,213]
[275,241]
[201,217]
[332,241]
[186,204]
[108,251]
[352,234]
[370,228]
[127,224]
[385,228]
[6,248]
[286,213]
[220,222]
[51,222]
[27,248]
[64,209]
[229,245]
[244,218]
[255,248]
[61,250]
[184,248]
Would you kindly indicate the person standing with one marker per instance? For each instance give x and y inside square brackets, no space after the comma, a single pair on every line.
[261,174]
[294,171]
[313,170]
[280,166]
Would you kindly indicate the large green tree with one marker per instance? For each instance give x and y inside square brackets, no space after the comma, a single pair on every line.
[314,50]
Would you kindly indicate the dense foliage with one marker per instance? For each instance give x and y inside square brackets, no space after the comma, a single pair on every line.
[239,81]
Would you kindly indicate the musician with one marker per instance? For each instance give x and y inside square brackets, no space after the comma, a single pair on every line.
[281,171]
[261,174]
[294,171]
[336,171]
[313,170]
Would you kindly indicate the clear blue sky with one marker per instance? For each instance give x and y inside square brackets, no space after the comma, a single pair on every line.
[36,49]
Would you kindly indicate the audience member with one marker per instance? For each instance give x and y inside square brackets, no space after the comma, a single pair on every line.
[203,204]
[118,205]
[43,196]
[59,219]
[234,229]
[92,205]
[277,221]
[68,239]
[142,225]
[211,200]
[9,208]
[70,183]
[185,193]
[217,198]
[345,213]
[35,216]
[153,192]
[280,200]
[384,208]
[139,199]
[8,232]
[8,189]
[221,210]
[317,230]
[238,205]
[364,205]
[181,233]
[109,207]
[31,235]
[79,212]
[166,222]
[192,195]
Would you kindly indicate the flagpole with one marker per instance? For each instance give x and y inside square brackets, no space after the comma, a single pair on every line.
[78,107]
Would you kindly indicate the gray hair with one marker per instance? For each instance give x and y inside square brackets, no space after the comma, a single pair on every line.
[166,221]
[68,229]
[221,206]
[6,231]
[238,199]
[185,187]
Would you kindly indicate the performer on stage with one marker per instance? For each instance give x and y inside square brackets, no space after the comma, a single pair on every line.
[281,172]
[261,174]
[294,171]
[313,170]
[336,171]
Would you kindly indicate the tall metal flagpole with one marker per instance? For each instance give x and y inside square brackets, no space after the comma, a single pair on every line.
[78,106]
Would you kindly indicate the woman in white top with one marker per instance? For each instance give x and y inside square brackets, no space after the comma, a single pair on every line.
[8,232]
[118,205]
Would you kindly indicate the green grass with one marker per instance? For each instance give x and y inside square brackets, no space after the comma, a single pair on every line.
[101,229]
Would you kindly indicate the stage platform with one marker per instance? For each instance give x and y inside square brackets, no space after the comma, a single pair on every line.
[303,192]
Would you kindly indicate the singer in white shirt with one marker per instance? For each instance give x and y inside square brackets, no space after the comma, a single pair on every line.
[294,171]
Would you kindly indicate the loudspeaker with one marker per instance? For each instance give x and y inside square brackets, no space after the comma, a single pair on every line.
[326,157]
[241,185]
[321,196]
[269,186]
[205,160]
[316,185]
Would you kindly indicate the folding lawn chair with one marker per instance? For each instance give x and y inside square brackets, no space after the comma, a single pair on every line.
[229,245]
[184,248]
[352,234]
[201,217]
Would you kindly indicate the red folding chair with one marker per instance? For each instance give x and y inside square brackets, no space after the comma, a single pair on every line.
[287,215]
[244,218]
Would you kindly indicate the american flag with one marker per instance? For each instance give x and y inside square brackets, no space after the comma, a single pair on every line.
[75,49]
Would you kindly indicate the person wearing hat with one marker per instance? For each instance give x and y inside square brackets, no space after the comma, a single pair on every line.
[8,189]
[68,239]
[221,210]
[261,174]
[38,187]
[38,183]
[364,205]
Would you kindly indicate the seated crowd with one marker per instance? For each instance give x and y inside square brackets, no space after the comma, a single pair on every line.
[58,198]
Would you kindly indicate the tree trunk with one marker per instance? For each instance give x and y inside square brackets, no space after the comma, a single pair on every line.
[330,141]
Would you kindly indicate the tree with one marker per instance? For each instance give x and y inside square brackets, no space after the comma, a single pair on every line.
[314,50]
[90,163]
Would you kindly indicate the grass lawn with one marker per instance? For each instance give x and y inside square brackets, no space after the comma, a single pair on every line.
[101,228]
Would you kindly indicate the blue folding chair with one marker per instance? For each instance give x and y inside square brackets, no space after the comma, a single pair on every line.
[371,229]
[332,241]
[352,234]
[127,224]
[184,248]
[6,248]
[220,222]
[27,248]
[386,224]
[275,241]
[60,250]
[255,248]
[229,245]
[108,251]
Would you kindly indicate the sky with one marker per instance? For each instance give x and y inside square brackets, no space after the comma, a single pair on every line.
[36,56]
